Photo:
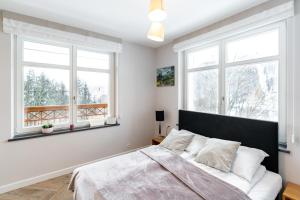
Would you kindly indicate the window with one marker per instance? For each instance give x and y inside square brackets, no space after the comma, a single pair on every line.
[243,75]
[202,76]
[251,75]
[62,84]
[93,85]
[252,91]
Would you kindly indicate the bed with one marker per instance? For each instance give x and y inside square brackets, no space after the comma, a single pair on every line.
[158,173]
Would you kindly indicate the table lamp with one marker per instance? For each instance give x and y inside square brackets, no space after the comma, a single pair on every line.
[160,118]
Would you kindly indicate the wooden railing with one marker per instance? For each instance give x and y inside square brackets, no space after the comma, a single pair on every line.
[38,115]
[89,111]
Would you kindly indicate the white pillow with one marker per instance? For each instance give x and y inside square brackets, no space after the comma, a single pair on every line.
[198,142]
[218,154]
[247,162]
[259,174]
[176,140]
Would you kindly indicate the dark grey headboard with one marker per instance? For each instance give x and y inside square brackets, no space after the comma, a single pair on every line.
[252,133]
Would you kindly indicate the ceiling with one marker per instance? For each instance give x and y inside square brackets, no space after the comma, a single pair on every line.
[127,19]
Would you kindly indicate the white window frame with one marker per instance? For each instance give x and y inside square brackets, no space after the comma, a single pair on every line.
[110,71]
[198,69]
[282,68]
[72,67]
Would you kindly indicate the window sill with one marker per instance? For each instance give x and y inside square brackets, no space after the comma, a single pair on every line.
[57,132]
[282,150]
[282,147]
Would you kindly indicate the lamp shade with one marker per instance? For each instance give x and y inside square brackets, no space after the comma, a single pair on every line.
[156,32]
[157,11]
[160,115]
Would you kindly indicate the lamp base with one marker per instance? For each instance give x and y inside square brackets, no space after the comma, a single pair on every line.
[159,129]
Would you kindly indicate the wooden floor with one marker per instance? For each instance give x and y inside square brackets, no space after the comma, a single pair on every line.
[53,189]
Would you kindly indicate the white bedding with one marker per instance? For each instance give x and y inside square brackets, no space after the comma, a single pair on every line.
[267,188]
[231,178]
[265,185]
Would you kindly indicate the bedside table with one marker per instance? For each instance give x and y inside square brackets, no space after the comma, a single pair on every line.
[157,140]
[291,192]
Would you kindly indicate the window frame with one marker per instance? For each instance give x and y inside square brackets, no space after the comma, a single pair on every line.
[282,68]
[110,71]
[73,69]
[199,69]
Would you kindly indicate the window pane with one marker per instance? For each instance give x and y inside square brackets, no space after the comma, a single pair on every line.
[93,95]
[44,53]
[203,57]
[203,91]
[256,46]
[92,59]
[252,91]
[46,96]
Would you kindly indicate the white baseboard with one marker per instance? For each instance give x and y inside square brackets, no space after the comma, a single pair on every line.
[33,180]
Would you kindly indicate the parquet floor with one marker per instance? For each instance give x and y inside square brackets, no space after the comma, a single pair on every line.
[53,189]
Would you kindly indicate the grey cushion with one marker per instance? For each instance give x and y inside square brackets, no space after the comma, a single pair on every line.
[197,143]
[218,154]
[176,140]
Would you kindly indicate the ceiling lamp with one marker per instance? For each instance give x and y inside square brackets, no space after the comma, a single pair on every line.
[157,11]
[156,32]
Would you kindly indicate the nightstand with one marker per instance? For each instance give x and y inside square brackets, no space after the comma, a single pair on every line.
[157,140]
[291,192]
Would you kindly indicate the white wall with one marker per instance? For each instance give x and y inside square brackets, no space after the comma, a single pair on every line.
[30,158]
[290,164]
[167,99]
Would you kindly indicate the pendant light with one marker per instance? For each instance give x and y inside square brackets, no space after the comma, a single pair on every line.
[157,11]
[156,32]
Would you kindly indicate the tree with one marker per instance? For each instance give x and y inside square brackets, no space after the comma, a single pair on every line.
[39,90]
[204,89]
[61,95]
[84,95]
[29,87]
[252,91]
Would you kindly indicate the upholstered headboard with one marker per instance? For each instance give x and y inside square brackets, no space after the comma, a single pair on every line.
[252,133]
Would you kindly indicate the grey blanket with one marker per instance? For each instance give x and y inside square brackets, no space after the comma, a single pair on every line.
[149,174]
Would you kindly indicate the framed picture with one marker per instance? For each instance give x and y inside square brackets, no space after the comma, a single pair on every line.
[165,76]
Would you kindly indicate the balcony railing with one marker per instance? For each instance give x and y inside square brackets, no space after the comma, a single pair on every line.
[38,115]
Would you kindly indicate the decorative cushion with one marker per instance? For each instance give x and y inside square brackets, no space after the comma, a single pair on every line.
[218,154]
[176,140]
[197,143]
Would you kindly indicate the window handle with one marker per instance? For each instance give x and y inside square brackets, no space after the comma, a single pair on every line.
[222,100]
